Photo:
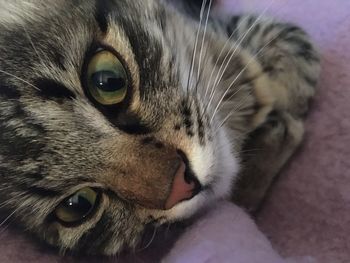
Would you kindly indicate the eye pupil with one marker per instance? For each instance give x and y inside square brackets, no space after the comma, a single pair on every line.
[79,204]
[77,207]
[108,81]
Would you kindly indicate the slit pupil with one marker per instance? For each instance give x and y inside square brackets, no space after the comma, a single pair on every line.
[108,81]
[79,203]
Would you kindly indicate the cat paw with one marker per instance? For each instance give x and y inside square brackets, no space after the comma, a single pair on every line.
[265,152]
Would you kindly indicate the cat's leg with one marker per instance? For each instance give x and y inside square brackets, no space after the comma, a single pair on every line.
[289,73]
[287,58]
[264,153]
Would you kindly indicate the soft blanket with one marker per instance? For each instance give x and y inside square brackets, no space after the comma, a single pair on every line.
[307,214]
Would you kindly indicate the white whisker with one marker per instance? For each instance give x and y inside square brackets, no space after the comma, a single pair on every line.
[217,60]
[240,73]
[8,201]
[20,79]
[237,108]
[152,239]
[221,71]
[204,36]
[8,217]
[189,82]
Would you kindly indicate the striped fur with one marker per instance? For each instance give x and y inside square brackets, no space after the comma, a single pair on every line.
[55,141]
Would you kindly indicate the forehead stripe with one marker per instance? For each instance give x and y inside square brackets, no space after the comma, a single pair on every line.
[101,15]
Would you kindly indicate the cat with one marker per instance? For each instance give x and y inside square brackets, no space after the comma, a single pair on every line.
[116,114]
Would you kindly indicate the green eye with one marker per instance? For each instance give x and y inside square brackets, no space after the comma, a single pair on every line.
[77,207]
[107,80]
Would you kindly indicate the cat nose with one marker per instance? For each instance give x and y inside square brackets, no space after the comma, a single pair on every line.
[153,177]
[184,187]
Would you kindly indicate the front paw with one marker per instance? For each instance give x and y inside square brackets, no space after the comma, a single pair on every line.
[265,152]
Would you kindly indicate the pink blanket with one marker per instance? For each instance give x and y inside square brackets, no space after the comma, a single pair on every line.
[307,214]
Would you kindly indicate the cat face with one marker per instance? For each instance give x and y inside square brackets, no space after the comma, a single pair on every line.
[101,131]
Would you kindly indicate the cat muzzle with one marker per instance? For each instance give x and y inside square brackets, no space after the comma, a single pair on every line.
[156,179]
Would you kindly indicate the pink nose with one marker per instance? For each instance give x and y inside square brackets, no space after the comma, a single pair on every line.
[183,187]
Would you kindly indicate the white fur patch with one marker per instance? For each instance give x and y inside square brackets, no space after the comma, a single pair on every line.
[217,171]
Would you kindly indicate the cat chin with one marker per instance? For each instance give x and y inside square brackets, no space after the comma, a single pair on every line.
[186,209]
[204,199]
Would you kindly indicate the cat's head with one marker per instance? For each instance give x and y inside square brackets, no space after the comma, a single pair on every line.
[100,131]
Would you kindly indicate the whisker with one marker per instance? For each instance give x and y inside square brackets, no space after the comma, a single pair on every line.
[236,45]
[3,230]
[18,78]
[253,151]
[202,72]
[232,112]
[204,36]
[232,141]
[150,242]
[240,73]
[167,229]
[189,81]
[8,217]
[8,201]
[217,60]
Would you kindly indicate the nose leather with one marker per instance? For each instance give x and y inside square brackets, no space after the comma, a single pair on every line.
[180,190]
